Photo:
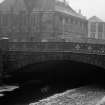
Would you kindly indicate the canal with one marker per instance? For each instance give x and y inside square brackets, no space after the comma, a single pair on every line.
[41,81]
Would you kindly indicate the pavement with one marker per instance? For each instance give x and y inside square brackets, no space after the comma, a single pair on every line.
[78,96]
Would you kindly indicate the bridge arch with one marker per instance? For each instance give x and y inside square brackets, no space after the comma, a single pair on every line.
[49,65]
[17,60]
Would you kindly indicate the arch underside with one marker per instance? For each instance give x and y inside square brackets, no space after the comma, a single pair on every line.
[18,60]
[53,67]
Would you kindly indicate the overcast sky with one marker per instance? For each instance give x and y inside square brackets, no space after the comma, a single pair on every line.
[1,1]
[89,7]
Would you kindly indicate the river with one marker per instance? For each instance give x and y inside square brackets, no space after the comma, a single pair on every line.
[32,94]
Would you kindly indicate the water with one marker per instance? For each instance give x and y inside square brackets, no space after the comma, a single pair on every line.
[77,96]
[7,88]
[52,84]
[13,95]
[34,94]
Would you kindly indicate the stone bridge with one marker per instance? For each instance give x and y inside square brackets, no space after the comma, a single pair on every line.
[21,54]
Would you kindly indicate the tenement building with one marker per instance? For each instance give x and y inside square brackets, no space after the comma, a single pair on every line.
[96,28]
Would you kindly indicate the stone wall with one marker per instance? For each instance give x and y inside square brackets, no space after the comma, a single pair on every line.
[18,60]
[3,53]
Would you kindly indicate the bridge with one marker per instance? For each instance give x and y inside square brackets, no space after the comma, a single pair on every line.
[17,55]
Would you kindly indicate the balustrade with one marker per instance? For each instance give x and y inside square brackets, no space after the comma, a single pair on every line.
[57,47]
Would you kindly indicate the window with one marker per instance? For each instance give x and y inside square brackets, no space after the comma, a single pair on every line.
[67,20]
[76,21]
[93,35]
[93,27]
[71,21]
[100,27]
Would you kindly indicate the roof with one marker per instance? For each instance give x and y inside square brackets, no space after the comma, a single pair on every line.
[95,19]
[28,5]
[49,5]
[14,5]
[66,8]
[5,6]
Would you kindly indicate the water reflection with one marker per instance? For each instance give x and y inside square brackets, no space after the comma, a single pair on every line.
[1,95]
[81,96]
[4,89]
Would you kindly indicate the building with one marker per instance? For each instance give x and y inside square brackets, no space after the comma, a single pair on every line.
[55,21]
[41,20]
[96,28]
[72,26]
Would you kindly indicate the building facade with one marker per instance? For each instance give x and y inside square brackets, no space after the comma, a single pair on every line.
[41,20]
[96,28]
[70,25]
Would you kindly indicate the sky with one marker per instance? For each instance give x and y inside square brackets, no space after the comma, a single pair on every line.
[1,1]
[88,7]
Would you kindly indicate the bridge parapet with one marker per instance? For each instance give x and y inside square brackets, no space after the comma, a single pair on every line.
[21,54]
[58,47]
